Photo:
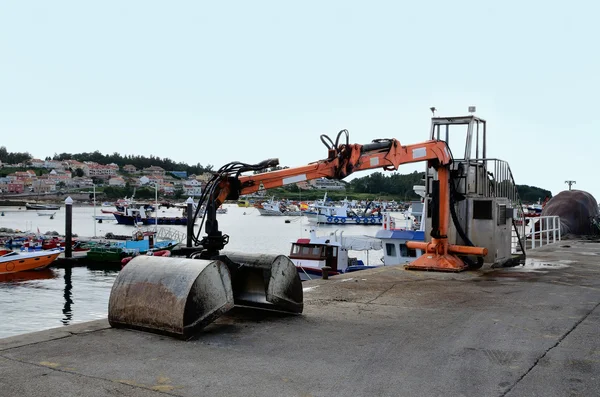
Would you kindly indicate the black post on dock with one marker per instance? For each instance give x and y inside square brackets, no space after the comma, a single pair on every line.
[190,221]
[68,227]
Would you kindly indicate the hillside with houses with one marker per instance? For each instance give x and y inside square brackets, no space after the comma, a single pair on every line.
[49,176]
[56,176]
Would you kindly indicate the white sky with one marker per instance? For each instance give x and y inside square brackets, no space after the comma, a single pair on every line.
[213,82]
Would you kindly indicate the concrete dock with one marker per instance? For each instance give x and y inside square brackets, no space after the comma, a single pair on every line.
[526,331]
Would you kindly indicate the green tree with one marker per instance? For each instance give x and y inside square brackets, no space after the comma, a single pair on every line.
[531,194]
[13,157]
[79,172]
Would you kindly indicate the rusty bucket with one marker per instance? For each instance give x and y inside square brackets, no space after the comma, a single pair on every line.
[172,296]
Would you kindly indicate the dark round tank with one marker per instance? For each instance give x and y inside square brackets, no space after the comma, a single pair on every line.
[576,209]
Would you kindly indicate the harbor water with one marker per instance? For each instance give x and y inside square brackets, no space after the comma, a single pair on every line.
[55,297]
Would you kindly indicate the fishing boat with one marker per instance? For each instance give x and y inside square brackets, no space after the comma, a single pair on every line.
[50,214]
[310,255]
[165,253]
[13,262]
[343,215]
[43,243]
[141,243]
[396,231]
[145,216]
[14,242]
[101,218]
[394,235]
[277,208]
[36,206]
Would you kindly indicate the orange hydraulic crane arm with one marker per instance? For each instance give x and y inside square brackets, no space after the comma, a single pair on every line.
[343,160]
[388,154]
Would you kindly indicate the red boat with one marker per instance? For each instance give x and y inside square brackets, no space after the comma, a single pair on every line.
[125,261]
[52,243]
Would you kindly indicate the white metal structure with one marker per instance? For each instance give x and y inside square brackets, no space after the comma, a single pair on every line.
[544,230]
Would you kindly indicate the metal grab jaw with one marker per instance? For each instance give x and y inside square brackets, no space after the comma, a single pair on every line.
[179,296]
[265,281]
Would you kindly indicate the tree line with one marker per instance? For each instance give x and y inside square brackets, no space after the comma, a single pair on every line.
[137,161]
[401,185]
[7,157]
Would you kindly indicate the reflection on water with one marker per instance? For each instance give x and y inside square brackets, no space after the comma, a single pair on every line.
[68,315]
[28,275]
[38,300]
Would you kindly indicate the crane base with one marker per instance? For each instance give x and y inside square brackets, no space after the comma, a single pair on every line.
[438,263]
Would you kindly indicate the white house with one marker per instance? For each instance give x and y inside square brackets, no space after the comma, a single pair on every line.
[192,188]
[37,163]
[116,181]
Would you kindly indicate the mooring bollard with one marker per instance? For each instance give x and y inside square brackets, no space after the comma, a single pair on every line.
[325,272]
[68,227]
[190,221]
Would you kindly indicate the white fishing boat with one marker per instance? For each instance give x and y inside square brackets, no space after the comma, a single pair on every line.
[36,206]
[311,254]
[397,230]
[104,217]
[277,208]
[395,233]
[344,215]
[43,213]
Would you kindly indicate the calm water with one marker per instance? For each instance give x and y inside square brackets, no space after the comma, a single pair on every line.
[55,297]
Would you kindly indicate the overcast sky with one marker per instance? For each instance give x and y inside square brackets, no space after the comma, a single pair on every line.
[217,81]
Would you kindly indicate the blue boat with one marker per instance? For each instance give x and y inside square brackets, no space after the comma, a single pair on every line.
[343,215]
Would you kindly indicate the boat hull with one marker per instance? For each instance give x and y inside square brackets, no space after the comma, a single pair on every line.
[133,220]
[267,212]
[311,273]
[345,220]
[22,262]
[42,206]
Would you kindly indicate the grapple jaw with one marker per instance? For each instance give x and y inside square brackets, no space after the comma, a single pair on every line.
[180,296]
[172,296]
[265,281]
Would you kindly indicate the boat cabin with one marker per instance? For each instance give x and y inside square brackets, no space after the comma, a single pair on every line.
[395,251]
[310,255]
[316,255]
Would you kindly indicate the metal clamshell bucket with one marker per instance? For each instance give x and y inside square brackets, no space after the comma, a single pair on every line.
[265,281]
[172,296]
